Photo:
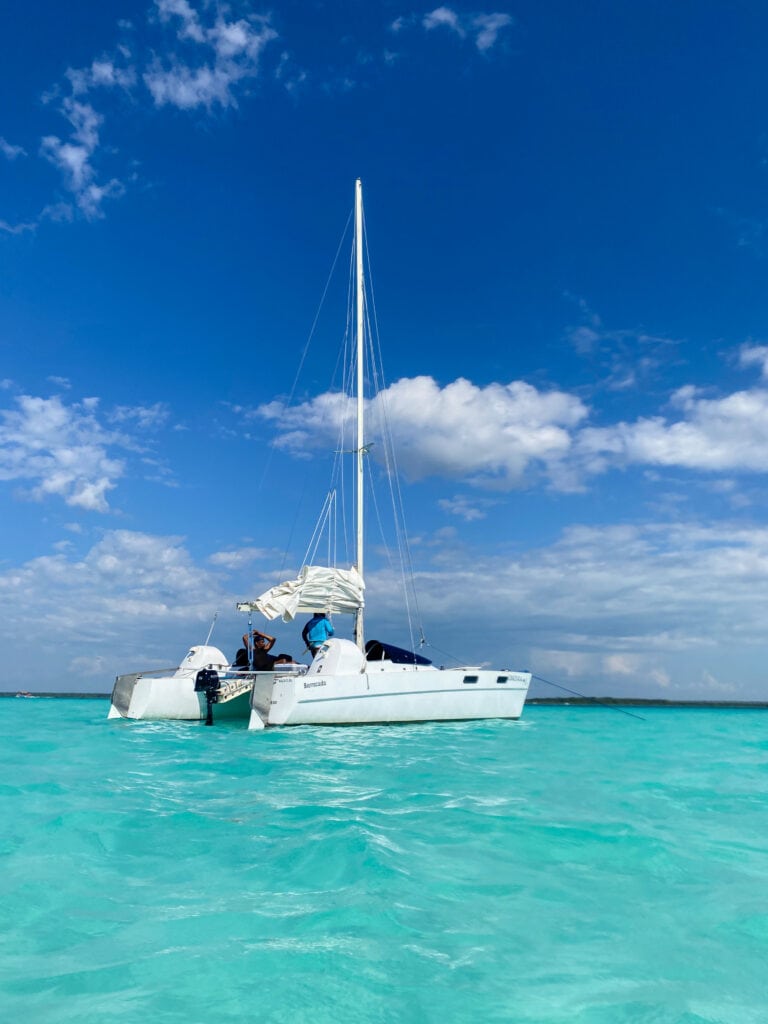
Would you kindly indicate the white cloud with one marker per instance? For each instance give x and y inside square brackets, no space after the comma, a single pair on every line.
[145,417]
[93,665]
[754,355]
[401,22]
[127,583]
[54,449]
[626,357]
[59,213]
[131,601]
[715,435]
[604,610]
[506,436]
[715,687]
[443,17]
[9,151]
[187,88]
[203,55]
[493,436]
[621,664]
[610,608]
[488,27]
[103,73]
[483,29]
[58,450]
[461,506]
[16,229]
[73,157]
[222,53]
[190,23]
[238,558]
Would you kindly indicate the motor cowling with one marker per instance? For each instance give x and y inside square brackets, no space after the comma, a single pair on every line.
[207,681]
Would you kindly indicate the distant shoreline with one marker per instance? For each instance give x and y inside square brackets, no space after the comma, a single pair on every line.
[79,696]
[629,702]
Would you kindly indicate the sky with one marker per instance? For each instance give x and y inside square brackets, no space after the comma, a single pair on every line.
[567,218]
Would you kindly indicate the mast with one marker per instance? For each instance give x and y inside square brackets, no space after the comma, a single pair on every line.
[359,639]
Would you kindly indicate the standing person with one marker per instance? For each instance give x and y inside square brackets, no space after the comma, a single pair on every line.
[316,632]
[258,645]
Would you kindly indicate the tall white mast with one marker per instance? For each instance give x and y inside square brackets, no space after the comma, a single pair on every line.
[359,638]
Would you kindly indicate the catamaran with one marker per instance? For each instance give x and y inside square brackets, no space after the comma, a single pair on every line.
[351,681]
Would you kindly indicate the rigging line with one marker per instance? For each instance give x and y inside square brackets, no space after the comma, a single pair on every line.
[399,520]
[408,575]
[297,511]
[341,353]
[375,334]
[317,533]
[319,308]
[592,700]
[305,351]
[345,420]
[375,382]
[382,532]
[439,651]
[342,361]
[398,508]
[387,550]
[332,532]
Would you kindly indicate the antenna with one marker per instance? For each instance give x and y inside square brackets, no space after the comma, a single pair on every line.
[210,631]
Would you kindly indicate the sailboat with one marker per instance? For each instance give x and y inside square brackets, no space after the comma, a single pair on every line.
[351,681]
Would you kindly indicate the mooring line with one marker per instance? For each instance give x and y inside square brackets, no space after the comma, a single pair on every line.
[592,700]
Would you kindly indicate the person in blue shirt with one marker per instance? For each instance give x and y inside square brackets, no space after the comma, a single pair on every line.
[316,632]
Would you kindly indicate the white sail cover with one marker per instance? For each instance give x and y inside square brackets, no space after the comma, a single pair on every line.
[316,589]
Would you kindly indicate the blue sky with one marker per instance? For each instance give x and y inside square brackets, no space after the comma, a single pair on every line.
[567,209]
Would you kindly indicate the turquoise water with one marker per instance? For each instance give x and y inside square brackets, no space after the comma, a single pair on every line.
[577,866]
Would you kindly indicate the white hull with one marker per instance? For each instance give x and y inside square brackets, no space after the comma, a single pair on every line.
[164,696]
[336,691]
[170,698]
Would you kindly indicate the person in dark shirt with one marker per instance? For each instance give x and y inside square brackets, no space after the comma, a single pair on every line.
[256,647]
[241,660]
[261,644]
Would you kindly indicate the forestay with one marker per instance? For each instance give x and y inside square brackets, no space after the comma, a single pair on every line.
[317,588]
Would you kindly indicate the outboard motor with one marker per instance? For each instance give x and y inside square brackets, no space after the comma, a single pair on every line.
[207,681]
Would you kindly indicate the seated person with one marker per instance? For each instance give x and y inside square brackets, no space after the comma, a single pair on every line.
[240,663]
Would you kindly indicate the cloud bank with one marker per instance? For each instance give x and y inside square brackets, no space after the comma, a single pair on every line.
[673,609]
[507,436]
[491,436]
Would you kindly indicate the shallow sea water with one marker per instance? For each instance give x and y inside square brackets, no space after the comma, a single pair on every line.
[577,866]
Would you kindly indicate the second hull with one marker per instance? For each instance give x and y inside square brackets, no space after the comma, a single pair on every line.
[408,695]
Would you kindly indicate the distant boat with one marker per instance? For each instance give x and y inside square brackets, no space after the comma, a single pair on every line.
[354,682]
[25,693]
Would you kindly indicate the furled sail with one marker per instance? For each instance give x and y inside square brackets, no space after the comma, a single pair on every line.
[316,589]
